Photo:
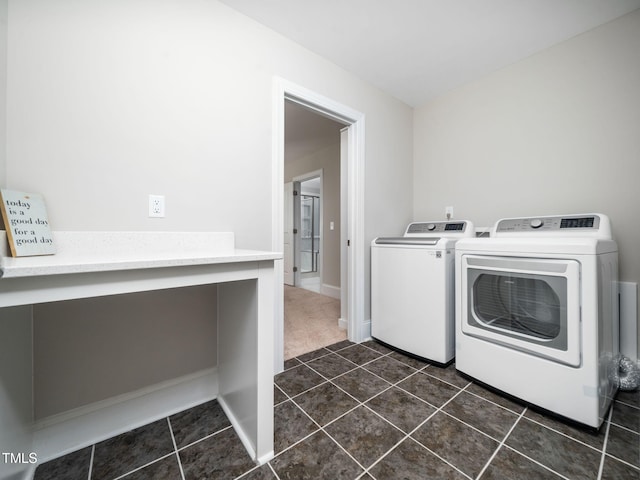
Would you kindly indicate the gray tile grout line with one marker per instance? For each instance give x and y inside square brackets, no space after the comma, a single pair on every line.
[503,444]
[359,404]
[448,414]
[635,467]
[604,445]
[566,435]
[206,437]
[322,429]
[635,407]
[444,412]
[249,472]
[533,460]
[176,450]
[624,428]
[396,384]
[273,471]
[137,469]
[93,451]
[492,402]
[603,451]
[175,447]
[408,436]
[554,429]
[500,444]
[366,470]
[437,409]
[543,426]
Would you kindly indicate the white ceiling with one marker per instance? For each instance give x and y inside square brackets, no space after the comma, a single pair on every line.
[418,49]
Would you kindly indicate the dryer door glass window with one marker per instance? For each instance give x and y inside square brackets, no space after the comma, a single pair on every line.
[525,306]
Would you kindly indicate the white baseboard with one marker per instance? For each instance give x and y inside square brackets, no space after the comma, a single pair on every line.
[330,291]
[366,330]
[629,320]
[236,426]
[26,474]
[242,435]
[342,323]
[64,433]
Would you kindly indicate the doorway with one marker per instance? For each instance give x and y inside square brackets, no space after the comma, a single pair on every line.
[352,238]
[312,214]
[308,244]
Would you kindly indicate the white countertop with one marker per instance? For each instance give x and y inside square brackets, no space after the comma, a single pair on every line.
[83,252]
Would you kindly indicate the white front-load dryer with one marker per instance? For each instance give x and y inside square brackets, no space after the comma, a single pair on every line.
[412,289]
[537,313]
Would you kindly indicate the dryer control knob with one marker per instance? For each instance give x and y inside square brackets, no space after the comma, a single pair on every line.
[431,227]
[537,223]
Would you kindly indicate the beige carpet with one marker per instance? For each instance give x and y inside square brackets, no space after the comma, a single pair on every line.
[310,321]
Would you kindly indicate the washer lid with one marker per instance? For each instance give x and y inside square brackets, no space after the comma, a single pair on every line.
[406,241]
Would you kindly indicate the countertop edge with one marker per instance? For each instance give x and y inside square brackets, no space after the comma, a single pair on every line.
[132,256]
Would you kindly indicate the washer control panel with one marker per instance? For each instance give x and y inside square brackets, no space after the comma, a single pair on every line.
[459,228]
[568,224]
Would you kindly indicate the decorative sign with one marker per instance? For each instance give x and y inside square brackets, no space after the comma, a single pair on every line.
[26,222]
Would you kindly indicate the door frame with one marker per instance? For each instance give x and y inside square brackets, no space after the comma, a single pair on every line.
[303,178]
[353,292]
[288,255]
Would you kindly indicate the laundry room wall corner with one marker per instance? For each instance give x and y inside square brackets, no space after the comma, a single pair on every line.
[554,133]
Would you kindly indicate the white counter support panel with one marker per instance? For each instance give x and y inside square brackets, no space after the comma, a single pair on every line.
[92,264]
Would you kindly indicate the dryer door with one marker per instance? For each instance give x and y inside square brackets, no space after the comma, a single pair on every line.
[531,305]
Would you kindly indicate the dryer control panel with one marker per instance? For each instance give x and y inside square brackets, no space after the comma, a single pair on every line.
[596,225]
[460,228]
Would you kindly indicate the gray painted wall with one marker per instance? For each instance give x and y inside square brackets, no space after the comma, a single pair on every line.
[92,349]
[108,102]
[556,133]
[3,94]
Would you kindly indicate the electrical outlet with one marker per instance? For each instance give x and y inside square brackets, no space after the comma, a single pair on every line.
[448,212]
[156,206]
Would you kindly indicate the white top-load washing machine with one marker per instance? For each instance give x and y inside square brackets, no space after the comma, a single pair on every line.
[537,312]
[412,289]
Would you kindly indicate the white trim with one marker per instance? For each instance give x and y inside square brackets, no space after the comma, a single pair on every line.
[242,435]
[357,329]
[628,320]
[344,223]
[277,221]
[330,291]
[286,90]
[66,432]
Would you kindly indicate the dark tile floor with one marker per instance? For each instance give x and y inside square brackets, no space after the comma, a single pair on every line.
[365,412]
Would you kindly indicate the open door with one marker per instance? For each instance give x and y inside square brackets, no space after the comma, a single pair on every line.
[288,234]
[291,249]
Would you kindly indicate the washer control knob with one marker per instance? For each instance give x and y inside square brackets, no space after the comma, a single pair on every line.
[536,223]
[431,227]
